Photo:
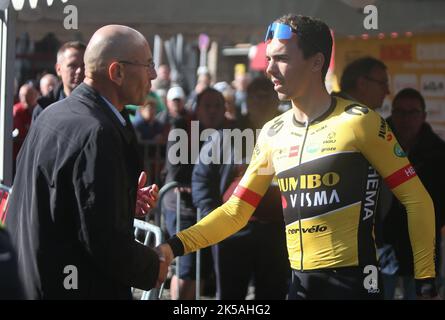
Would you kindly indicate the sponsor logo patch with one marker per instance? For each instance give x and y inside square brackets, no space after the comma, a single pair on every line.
[398,151]
[382,128]
[293,152]
[313,229]
[313,148]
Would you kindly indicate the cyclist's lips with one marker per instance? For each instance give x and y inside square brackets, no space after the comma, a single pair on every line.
[277,84]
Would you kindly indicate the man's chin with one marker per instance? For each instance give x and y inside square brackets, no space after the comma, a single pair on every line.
[283,96]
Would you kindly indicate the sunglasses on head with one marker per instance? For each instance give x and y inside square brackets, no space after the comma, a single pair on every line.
[283,31]
[279,31]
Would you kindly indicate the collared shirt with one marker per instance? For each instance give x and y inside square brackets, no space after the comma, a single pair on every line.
[115,111]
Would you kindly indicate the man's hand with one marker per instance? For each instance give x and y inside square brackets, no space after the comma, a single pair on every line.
[166,256]
[147,197]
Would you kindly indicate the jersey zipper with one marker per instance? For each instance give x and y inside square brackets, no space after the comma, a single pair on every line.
[306,124]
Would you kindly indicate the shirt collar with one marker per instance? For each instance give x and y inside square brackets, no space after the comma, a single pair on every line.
[115,111]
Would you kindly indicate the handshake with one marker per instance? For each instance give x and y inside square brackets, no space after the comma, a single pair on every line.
[166,256]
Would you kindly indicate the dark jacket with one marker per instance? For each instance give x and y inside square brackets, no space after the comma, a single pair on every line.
[53,96]
[210,181]
[182,172]
[10,285]
[427,157]
[73,204]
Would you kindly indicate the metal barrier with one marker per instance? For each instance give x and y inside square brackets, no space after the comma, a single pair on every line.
[158,211]
[152,237]
[158,214]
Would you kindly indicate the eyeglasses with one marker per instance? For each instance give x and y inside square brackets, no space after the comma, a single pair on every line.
[383,83]
[149,65]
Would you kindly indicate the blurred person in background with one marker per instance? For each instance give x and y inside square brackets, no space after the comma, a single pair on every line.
[232,115]
[203,81]
[70,68]
[163,81]
[176,115]
[147,127]
[22,115]
[365,80]
[48,83]
[426,151]
[240,83]
[210,114]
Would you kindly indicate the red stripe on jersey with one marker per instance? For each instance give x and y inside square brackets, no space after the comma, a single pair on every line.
[400,176]
[247,195]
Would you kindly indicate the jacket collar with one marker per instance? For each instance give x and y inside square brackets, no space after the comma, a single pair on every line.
[91,98]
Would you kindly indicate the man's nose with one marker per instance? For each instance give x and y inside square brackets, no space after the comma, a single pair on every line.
[270,67]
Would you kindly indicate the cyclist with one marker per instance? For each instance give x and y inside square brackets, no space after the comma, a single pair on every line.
[327,154]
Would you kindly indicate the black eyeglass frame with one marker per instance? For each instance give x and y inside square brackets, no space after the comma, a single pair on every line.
[150,65]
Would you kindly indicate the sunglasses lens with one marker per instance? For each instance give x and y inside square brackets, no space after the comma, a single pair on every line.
[283,32]
[278,31]
[269,33]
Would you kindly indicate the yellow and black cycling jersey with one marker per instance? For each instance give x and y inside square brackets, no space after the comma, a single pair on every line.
[328,172]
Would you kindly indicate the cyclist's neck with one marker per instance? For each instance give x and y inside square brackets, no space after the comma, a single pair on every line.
[310,107]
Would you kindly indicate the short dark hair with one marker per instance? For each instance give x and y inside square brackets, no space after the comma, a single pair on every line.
[68,45]
[356,69]
[209,90]
[410,93]
[313,36]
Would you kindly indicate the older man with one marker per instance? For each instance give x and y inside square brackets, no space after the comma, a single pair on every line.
[76,191]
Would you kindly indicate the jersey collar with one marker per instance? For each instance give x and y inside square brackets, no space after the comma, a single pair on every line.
[320,118]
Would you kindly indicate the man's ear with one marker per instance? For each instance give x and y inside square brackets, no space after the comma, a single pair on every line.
[116,72]
[57,68]
[318,62]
